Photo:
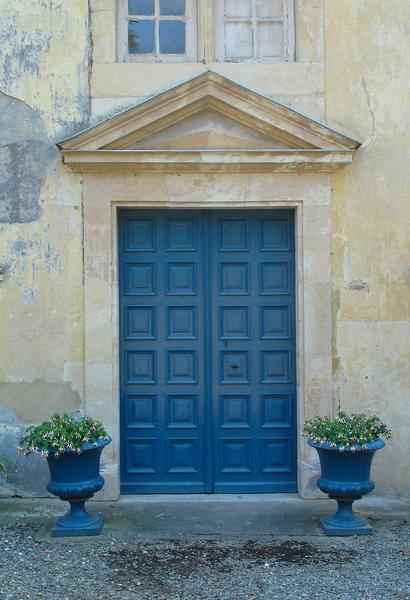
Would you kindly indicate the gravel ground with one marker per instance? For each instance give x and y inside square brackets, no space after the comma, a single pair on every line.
[238,569]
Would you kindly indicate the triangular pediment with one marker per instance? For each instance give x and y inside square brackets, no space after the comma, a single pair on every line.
[206,114]
[210,130]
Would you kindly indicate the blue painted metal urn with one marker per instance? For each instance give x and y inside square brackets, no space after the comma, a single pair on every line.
[75,478]
[345,477]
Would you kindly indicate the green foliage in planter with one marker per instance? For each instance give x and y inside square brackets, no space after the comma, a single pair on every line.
[60,434]
[5,464]
[346,431]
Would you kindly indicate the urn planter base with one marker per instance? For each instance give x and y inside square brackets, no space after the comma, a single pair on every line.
[344,522]
[77,522]
[330,528]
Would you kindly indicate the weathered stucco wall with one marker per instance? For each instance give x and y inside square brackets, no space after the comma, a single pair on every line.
[367,91]
[49,91]
[44,58]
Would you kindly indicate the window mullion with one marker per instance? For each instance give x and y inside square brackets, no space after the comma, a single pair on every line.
[208,25]
[157,27]
[254,28]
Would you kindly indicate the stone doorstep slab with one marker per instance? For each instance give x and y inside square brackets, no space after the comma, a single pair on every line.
[171,517]
[154,521]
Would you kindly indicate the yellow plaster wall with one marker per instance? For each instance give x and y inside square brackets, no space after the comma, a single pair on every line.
[41,301]
[45,54]
[367,91]
[44,58]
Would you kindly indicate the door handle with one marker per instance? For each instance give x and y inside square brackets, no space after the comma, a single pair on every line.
[234,366]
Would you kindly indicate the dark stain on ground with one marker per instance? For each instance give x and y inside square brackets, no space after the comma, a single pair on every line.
[180,559]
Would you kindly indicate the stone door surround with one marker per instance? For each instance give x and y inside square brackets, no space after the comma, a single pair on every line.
[207,143]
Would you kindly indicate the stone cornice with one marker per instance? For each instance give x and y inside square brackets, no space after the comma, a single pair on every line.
[207,160]
[113,144]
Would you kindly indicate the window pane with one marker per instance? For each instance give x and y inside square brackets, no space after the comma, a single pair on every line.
[238,8]
[269,40]
[238,40]
[269,8]
[172,37]
[141,7]
[172,7]
[141,37]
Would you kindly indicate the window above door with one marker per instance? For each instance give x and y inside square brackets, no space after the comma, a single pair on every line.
[158,30]
[177,31]
[254,30]
[294,77]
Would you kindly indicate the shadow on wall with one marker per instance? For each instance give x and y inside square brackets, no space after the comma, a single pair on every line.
[25,155]
[34,402]
[28,476]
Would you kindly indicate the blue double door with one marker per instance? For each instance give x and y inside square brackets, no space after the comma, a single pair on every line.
[207,347]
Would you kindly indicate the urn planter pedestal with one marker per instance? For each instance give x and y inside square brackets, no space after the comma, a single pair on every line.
[345,477]
[75,478]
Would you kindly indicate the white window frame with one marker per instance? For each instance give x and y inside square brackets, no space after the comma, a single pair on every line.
[288,20]
[191,29]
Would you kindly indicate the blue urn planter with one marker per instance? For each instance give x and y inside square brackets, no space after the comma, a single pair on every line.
[345,477]
[75,478]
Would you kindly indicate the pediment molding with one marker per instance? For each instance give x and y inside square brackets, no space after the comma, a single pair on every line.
[283,139]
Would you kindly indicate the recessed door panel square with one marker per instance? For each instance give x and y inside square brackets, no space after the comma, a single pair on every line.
[235,456]
[181,234]
[182,411]
[234,367]
[275,366]
[233,322]
[182,456]
[274,278]
[233,235]
[140,235]
[140,322]
[181,279]
[275,322]
[140,367]
[276,411]
[233,279]
[275,234]
[140,411]
[140,279]
[141,456]
[276,456]
[181,366]
[181,323]
[234,411]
